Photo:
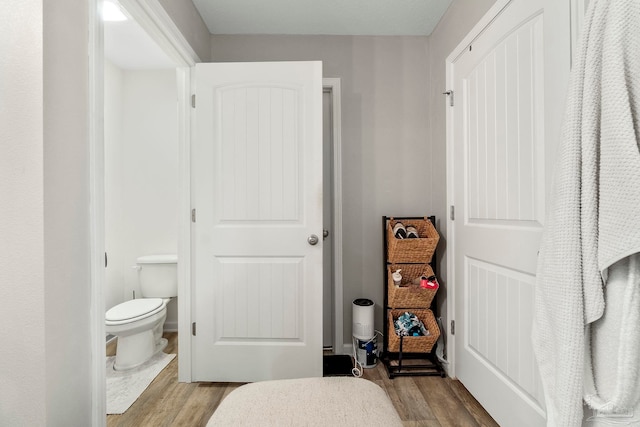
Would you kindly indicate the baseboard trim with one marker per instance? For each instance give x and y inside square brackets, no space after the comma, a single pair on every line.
[171,326]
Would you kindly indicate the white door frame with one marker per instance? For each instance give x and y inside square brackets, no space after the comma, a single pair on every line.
[96,214]
[154,19]
[333,84]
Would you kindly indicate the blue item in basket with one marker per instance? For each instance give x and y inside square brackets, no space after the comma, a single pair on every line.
[408,325]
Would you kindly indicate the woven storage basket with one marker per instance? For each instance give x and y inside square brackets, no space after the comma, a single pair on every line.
[418,250]
[410,296]
[413,344]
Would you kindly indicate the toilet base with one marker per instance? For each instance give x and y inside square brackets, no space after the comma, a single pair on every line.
[161,346]
[134,350]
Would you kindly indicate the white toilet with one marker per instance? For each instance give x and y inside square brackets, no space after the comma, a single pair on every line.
[138,323]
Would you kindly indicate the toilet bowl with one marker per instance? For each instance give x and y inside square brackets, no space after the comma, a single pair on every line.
[138,323]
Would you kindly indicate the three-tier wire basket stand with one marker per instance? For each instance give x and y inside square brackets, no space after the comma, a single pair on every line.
[410,356]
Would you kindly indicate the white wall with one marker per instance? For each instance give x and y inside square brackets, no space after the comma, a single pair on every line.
[386,155]
[113,185]
[22,388]
[141,187]
[66,213]
[44,214]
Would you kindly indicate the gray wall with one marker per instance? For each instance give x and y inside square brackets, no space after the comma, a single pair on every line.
[392,106]
[186,17]
[44,219]
[386,150]
[456,23]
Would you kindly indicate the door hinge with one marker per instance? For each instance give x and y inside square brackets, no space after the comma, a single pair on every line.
[452,212]
[449,93]
[193,215]
[193,101]
[453,327]
[193,329]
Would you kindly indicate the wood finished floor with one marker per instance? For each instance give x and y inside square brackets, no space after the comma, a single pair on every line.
[420,401]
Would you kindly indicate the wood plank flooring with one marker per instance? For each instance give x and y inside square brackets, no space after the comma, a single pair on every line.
[420,401]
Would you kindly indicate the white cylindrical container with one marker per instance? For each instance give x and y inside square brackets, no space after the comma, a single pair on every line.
[362,324]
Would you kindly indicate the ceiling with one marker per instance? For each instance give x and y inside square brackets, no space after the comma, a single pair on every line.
[129,47]
[331,17]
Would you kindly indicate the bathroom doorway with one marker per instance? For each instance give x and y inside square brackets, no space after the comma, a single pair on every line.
[140,147]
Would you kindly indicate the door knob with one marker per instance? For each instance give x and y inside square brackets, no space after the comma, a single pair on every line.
[325,234]
[313,240]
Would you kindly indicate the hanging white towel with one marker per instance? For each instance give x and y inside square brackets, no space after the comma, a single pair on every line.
[593,218]
[612,351]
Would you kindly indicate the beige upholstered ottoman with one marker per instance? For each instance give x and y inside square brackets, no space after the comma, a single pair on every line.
[330,401]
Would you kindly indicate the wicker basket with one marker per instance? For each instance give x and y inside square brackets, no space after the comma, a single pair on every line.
[422,344]
[410,296]
[418,250]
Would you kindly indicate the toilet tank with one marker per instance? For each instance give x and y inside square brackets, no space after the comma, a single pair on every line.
[158,276]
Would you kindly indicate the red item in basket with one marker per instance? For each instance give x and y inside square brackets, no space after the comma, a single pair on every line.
[429,283]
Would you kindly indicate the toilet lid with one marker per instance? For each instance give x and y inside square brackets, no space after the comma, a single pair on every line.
[133,308]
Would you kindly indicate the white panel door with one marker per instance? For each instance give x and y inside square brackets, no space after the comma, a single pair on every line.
[258,193]
[505,127]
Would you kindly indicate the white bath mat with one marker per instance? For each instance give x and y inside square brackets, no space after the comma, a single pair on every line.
[124,387]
